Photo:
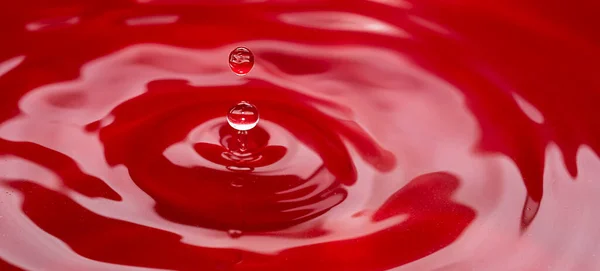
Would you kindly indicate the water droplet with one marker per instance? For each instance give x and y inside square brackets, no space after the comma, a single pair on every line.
[241,60]
[234,233]
[243,116]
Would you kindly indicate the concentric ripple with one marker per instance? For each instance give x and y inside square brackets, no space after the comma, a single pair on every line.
[184,155]
[404,135]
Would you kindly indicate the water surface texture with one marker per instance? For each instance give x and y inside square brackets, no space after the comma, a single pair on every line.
[400,135]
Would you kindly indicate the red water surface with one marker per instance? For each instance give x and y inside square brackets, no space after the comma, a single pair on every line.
[393,135]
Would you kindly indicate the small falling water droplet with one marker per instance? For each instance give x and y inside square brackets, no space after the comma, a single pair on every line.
[241,60]
[243,116]
[234,233]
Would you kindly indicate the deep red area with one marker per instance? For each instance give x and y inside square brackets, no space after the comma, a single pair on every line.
[61,165]
[8,267]
[114,241]
[203,196]
[256,151]
[544,51]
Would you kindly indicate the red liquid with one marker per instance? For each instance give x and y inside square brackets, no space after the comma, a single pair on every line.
[241,60]
[425,135]
[243,116]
